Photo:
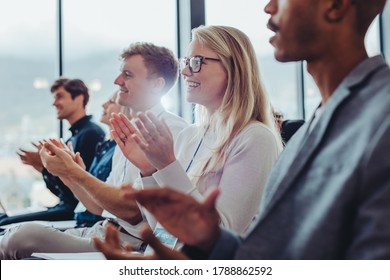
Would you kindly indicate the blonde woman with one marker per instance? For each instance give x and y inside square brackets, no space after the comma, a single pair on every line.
[234,142]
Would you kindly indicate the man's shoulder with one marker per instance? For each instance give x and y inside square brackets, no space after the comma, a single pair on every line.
[174,120]
[89,135]
[373,99]
[92,128]
[376,82]
[369,100]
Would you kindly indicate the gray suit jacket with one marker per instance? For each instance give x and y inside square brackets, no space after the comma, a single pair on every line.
[328,196]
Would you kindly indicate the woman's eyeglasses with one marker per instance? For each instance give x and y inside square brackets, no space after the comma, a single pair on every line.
[194,63]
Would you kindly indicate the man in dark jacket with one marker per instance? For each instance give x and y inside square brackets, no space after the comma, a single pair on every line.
[70,99]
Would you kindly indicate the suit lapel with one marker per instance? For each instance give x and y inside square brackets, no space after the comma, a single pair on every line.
[307,148]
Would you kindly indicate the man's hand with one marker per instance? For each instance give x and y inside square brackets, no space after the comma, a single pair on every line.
[124,133]
[69,149]
[32,158]
[58,161]
[112,248]
[193,223]
[156,141]
[128,209]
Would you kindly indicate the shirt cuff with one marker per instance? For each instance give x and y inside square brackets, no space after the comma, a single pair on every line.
[175,177]
[148,182]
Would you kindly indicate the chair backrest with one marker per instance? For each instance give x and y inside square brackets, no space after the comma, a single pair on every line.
[289,127]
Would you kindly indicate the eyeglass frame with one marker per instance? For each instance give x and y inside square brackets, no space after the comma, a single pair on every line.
[188,59]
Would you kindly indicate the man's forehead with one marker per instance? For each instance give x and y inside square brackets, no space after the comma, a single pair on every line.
[132,61]
[124,65]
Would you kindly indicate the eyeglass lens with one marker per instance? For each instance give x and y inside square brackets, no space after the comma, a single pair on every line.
[194,63]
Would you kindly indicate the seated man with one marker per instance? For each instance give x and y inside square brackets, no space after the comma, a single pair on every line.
[70,99]
[148,72]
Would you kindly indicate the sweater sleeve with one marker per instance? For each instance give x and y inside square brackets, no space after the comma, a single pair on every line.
[175,177]
[242,178]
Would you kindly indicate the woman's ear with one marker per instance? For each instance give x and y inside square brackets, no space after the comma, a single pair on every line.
[337,9]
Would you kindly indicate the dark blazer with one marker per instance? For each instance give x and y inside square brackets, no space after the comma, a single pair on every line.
[329,193]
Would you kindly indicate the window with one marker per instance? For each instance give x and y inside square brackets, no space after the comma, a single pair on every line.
[372,39]
[27,67]
[253,21]
[96,32]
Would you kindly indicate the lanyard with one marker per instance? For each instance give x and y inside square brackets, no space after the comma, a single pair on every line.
[196,150]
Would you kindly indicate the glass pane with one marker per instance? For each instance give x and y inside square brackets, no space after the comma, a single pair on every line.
[96,32]
[372,39]
[312,94]
[279,79]
[27,67]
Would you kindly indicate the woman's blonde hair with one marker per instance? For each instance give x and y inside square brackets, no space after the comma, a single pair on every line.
[244,100]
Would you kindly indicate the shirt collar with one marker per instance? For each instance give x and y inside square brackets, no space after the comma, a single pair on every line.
[80,124]
[157,109]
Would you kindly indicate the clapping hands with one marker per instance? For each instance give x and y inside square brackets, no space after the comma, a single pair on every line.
[149,146]
[112,248]
[59,159]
